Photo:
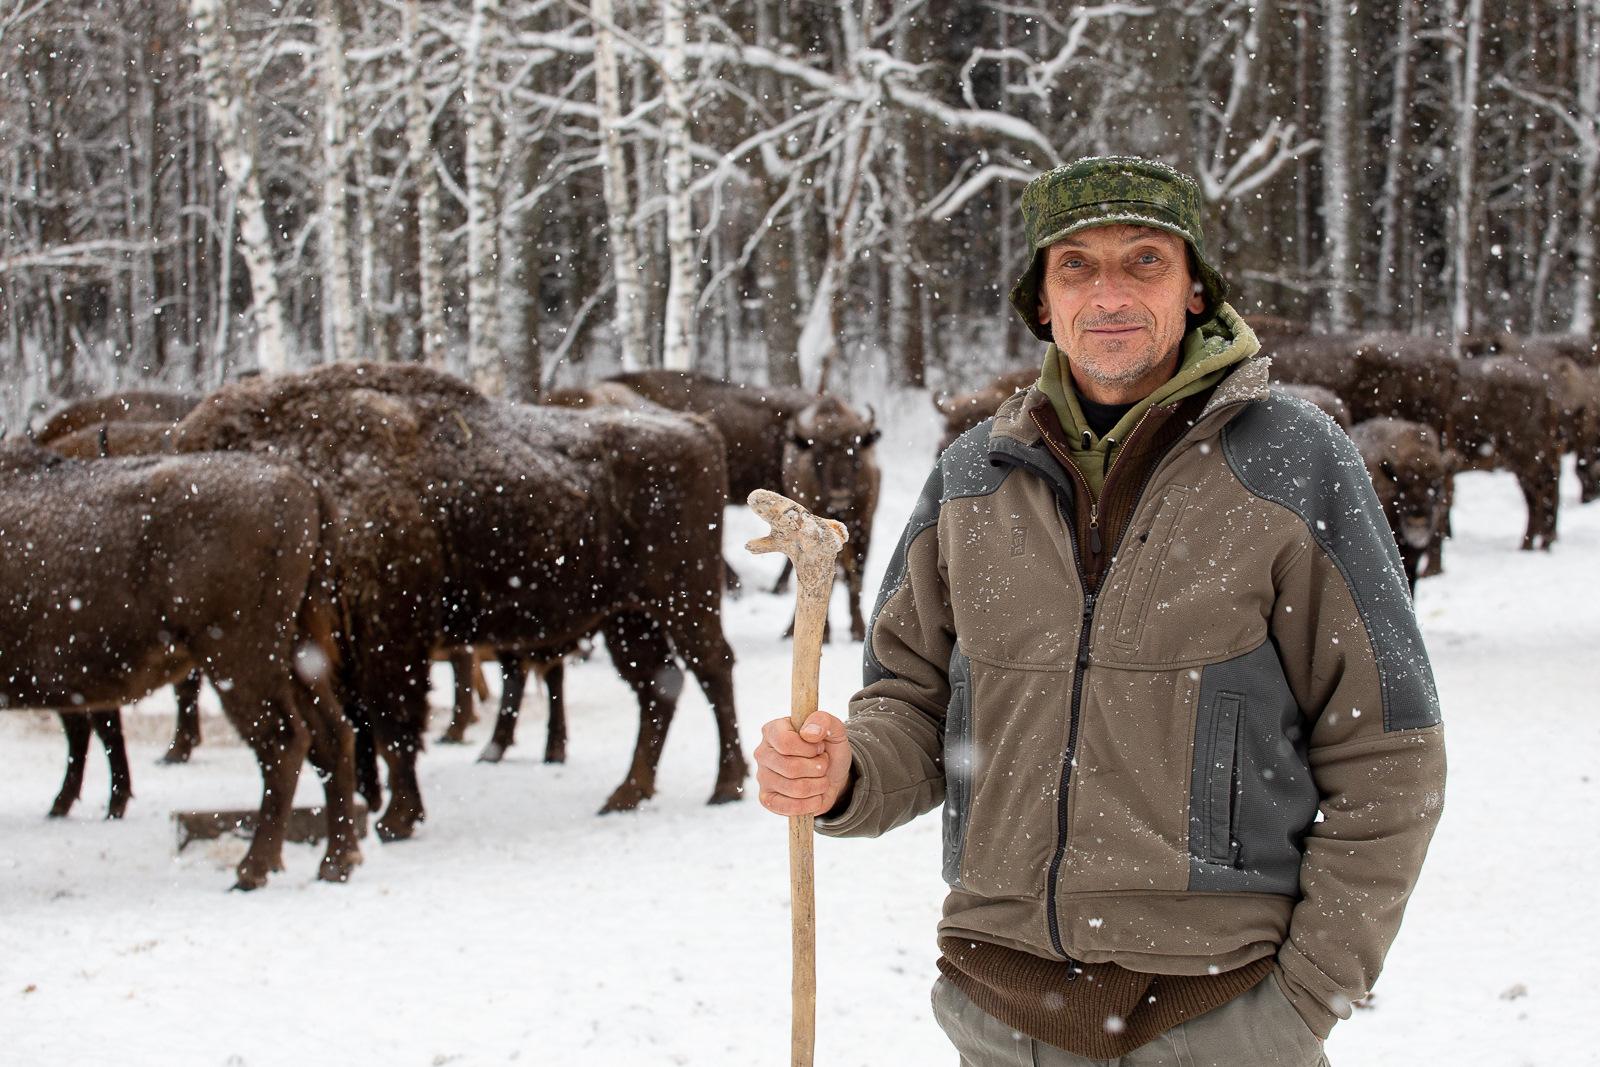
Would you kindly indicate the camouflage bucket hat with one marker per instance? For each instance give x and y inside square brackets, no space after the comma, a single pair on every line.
[1109,191]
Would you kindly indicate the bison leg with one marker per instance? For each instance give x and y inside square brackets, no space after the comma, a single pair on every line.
[463,662]
[399,739]
[332,753]
[730,578]
[186,732]
[852,577]
[78,730]
[1410,559]
[1539,490]
[513,681]
[266,717]
[555,685]
[108,727]
[643,657]
[706,652]
[368,783]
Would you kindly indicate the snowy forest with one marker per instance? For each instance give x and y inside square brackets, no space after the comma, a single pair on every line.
[539,192]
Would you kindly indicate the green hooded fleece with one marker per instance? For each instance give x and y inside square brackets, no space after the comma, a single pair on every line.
[1208,352]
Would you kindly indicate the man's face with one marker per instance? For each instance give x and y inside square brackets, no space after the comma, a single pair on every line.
[1115,298]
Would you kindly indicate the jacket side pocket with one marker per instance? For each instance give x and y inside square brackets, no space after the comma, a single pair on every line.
[957,765]
[1220,784]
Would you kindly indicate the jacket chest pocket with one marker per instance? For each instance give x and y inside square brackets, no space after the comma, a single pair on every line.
[1154,544]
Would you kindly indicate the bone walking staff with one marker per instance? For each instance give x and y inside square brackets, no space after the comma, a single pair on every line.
[811,544]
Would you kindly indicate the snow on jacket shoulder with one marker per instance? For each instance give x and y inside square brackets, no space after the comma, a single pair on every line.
[1232,750]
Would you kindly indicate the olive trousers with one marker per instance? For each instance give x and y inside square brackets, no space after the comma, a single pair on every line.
[1258,1028]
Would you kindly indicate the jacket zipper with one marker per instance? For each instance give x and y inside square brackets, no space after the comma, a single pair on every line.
[1074,967]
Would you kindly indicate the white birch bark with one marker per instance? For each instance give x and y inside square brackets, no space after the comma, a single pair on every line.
[340,337]
[233,132]
[677,349]
[1466,138]
[1395,162]
[419,155]
[483,259]
[1338,205]
[1588,130]
[619,208]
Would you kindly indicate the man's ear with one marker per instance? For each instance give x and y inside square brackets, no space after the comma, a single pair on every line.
[1043,312]
[1197,299]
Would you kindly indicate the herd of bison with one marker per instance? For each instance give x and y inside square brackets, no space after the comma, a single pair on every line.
[310,543]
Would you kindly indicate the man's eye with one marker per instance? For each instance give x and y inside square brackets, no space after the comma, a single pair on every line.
[1148,257]
[1074,264]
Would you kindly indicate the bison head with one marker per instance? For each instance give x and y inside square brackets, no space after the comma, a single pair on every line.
[828,463]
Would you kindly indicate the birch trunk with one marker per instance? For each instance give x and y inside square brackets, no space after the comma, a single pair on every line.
[340,338]
[819,339]
[677,348]
[419,156]
[483,273]
[1338,205]
[1588,60]
[1395,170]
[233,132]
[619,208]
[1465,212]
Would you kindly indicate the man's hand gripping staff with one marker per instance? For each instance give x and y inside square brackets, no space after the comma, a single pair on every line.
[799,758]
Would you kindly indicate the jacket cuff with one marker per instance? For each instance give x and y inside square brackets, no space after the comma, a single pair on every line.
[846,821]
[1298,985]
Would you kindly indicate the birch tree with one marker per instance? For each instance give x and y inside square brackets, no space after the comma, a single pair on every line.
[1338,165]
[678,342]
[419,162]
[233,131]
[1465,55]
[340,338]
[630,310]
[1393,197]
[483,266]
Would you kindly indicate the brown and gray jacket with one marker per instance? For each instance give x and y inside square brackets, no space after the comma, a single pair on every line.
[1228,748]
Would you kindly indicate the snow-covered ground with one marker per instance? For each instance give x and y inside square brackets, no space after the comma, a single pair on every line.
[519,926]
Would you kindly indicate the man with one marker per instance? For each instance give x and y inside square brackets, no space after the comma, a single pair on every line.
[1147,638]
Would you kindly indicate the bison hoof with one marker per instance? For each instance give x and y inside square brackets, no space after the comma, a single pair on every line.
[493,752]
[727,794]
[626,798]
[117,809]
[176,755]
[59,809]
[555,755]
[250,879]
[393,827]
[338,868]
[452,737]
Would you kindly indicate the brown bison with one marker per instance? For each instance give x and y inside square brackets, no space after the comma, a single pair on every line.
[1411,473]
[148,406]
[829,467]
[1507,417]
[963,412]
[758,425]
[126,575]
[460,520]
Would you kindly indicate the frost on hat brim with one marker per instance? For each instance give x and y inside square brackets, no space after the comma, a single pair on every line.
[1025,294]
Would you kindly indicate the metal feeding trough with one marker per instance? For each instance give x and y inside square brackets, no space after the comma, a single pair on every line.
[306,825]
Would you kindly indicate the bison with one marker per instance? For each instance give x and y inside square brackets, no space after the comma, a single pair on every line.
[759,426]
[961,413]
[829,467]
[1325,399]
[144,406]
[126,575]
[461,520]
[1411,473]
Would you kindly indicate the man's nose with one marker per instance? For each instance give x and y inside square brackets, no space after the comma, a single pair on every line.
[1111,292]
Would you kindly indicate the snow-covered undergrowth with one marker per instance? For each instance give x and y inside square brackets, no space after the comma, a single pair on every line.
[519,926]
